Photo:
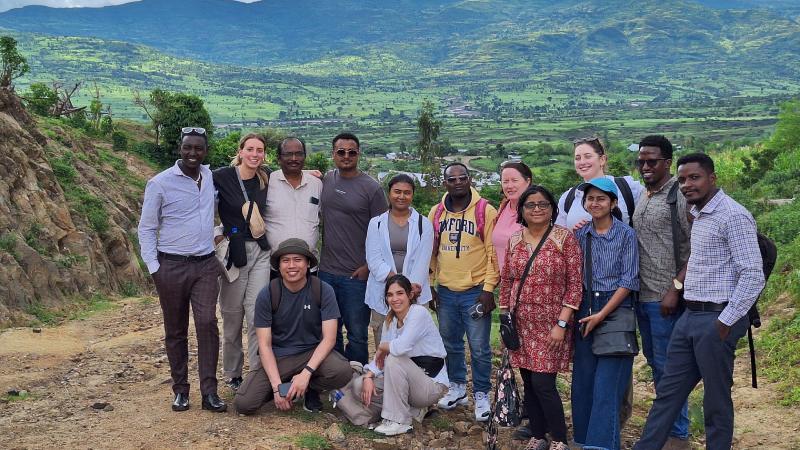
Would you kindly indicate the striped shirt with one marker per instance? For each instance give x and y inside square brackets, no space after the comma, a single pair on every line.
[725,263]
[615,256]
[177,217]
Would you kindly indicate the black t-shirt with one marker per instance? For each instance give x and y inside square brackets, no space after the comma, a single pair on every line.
[297,325]
[231,199]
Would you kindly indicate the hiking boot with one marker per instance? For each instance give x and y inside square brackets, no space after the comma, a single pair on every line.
[392,428]
[234,383]
[555,445]
[482,407]
[676,443]
[456,395]
[536,444]
[311,401]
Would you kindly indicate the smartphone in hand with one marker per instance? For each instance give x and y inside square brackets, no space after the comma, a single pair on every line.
[283,389]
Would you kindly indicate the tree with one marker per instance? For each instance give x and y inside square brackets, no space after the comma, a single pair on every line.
[14,64]
[151,106]
[427,146]
[178,111]
[319,161]
[96,108]
[40,99]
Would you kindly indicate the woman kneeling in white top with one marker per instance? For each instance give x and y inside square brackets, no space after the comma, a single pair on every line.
[410,357]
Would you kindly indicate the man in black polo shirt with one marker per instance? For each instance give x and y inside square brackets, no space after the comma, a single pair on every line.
[296,335]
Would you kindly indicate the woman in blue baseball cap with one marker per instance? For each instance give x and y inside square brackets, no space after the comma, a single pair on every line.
[611,277]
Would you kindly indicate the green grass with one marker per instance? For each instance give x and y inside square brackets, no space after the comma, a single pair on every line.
[79,309]
[7,398]
[8,244]
[354,430]
[441,422]
[312,441]
[32,238]
[697,425]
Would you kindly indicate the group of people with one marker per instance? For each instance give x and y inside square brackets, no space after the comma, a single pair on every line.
[565,268]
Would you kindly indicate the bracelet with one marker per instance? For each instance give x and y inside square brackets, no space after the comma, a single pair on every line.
[309,369]
[369,374]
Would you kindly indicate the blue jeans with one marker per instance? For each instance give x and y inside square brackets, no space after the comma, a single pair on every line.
[354,315]
[454,322]
[656,331]
[598,384]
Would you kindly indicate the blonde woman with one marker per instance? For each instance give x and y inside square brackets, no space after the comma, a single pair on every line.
[241,191]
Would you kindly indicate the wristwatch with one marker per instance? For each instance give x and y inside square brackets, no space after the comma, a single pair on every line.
[677,284]
[562,323]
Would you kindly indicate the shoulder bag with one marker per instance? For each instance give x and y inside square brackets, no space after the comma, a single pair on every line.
[616,335]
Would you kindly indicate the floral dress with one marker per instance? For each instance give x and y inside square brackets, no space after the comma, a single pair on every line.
[553,282]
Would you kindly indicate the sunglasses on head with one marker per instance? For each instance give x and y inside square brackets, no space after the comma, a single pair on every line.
[342,152]
[649,162]
[193,130]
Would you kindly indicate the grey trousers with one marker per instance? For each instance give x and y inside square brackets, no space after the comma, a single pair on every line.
[696,353]
[406,387]
[376,320]
[237,302]
[333,373]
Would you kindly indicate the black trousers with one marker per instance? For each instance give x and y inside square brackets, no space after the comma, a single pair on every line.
[543,405]
[696,353]
[181,284]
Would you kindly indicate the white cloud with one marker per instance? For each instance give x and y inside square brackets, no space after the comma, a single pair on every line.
[5,5]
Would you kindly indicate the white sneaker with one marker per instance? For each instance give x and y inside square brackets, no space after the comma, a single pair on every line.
[456,395]
[392,428]
[482,407]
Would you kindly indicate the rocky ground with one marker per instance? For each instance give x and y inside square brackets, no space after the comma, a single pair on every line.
[103,382]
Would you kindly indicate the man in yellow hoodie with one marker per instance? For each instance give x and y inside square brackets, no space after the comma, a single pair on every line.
[463,265]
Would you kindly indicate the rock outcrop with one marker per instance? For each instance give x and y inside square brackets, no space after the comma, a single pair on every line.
[68,214]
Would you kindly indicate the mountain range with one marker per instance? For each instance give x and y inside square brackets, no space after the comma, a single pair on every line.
[359,58]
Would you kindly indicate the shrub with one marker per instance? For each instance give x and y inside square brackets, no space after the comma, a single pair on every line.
[119,141]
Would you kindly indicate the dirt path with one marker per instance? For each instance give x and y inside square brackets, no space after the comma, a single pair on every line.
[117,357]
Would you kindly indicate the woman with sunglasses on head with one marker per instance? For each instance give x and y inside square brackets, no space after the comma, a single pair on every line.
[399,241]
[410,357]
[611,272]
[242,191]
[543,299]
[590,163]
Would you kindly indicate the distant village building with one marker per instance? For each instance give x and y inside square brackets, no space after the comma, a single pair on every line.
[514,157]
[633,148]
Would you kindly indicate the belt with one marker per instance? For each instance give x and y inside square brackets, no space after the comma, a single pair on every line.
[705,306]
[184,258]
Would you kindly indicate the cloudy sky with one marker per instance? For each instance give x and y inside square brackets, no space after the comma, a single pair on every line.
[10,4]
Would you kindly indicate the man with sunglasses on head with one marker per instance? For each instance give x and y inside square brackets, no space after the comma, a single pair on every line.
[463,263]
[176,235]
[293,198]
[350,198]
[662,230]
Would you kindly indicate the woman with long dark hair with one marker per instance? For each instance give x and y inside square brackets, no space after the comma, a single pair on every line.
[410,357]
[541,283]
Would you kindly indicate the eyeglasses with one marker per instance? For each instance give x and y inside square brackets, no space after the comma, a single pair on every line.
[462,178]
[649,162]
[193,130]
[544,206]
[341,152]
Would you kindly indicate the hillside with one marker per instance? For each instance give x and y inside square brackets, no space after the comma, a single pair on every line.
[69,213]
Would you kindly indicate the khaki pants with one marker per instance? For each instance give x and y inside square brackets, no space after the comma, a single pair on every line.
[376,321]
[405,387]
[333,373]
[237,302]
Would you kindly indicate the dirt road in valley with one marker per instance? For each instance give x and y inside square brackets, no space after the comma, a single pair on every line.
[117,357]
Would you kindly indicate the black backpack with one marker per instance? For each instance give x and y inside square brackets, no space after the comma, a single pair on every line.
[769,255]
[622,185]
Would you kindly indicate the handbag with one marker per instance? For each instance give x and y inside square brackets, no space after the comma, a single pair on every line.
[616,335]
[251,212]
[222,250]
[431,365]
[508,321]
[507,408]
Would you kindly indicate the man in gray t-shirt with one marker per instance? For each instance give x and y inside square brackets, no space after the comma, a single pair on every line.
[296,318]
[350,198]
